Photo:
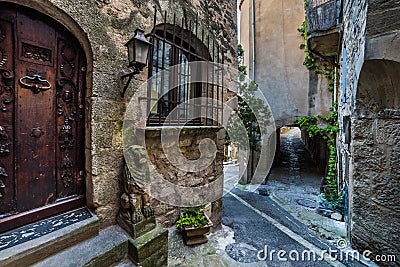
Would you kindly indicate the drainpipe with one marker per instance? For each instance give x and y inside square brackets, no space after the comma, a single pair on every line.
[253,38]
[335,85]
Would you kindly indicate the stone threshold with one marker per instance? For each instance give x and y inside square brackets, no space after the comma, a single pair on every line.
[43,227]
[108,248]
[32,243]
[114,247]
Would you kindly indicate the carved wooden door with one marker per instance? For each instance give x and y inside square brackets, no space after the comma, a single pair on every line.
[42,70]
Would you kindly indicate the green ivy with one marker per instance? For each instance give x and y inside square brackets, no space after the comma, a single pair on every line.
[311,62]
[311,125]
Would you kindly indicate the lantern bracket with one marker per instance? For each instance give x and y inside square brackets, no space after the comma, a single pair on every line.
[136,70]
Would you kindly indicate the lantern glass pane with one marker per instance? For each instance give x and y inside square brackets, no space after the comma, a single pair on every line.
[141,52]
[131,52]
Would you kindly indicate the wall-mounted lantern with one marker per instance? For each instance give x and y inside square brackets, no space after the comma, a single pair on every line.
[138,52]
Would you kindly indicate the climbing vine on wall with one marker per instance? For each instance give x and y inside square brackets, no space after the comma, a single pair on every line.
[325,126]
[248,105]
[314,64]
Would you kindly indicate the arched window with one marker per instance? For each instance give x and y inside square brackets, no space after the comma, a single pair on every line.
[172,88]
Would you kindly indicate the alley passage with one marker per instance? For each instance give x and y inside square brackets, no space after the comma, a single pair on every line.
[294,165]
[254,222]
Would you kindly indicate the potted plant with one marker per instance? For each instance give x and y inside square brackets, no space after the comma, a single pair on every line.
[194,225]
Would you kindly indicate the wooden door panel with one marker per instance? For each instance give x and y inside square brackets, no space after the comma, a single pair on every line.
[68,117]
[36,40]
[35,131]
[7,95]
[35,115]
[42,114]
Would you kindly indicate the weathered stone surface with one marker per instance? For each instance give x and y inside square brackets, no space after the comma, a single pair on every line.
[369,157]
[137,229]
[107,134]
[371,99]
[388,132]
[216,214]
[148,249]
[395,161]
[107,110]
[383,16]
[28,253]
[165,214]
[190,144]
[108,214]
[362,129]
[103,27]
[107,161]
[109,247]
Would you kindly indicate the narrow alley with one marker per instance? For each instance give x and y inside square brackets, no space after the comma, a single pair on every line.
[215,133]
[277,216]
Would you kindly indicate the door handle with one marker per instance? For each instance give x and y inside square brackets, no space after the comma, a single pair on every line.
[36,83]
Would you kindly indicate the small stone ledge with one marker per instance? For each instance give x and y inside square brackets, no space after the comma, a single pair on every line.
[138,229]
[109,247]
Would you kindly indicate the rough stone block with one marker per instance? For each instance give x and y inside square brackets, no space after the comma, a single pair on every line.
[388,132]
[362,129]
[146,249]
[137,229]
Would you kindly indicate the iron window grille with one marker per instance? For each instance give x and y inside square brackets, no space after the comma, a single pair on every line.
[173,88]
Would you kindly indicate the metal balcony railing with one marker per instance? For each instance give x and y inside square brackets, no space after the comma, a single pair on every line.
[323,15]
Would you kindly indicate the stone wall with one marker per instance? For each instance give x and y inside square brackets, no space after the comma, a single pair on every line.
[354,30]
[189,141]
[369,160]
[375,150]
[103,27]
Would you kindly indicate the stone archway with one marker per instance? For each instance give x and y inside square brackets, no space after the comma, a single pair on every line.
[375,148]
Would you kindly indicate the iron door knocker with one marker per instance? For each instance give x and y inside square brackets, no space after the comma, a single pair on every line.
[37,83]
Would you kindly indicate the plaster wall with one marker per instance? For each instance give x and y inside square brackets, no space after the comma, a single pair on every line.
[291,90]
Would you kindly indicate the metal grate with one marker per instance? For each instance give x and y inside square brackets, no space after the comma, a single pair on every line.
[322,15]
[177,44]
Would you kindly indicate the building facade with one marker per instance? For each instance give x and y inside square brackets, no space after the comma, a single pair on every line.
[271,41]
[369,124]
[62,73]
[274,58]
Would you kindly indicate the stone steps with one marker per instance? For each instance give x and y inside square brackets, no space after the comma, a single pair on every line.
[81,244]
[108,248]
[32,251]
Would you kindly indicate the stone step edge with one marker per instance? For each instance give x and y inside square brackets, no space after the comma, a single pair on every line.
[109,247]
[32,251]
